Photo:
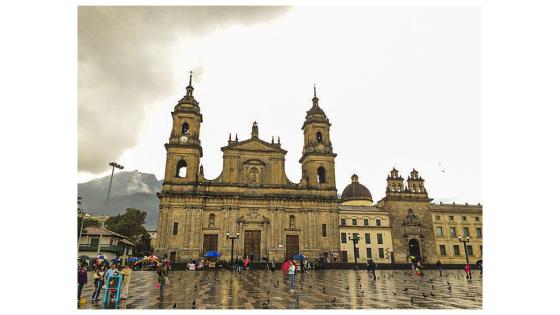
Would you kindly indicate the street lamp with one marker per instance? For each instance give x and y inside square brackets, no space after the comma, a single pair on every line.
[354,240]
[113,165]
[84,216]
[465,241]
[232,238]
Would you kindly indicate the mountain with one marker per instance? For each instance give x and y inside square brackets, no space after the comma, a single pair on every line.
[128,190]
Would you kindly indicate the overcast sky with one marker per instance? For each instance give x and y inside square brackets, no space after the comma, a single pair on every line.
[400,85]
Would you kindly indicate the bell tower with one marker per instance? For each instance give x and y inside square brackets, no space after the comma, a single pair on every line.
[317,161]
[184,150]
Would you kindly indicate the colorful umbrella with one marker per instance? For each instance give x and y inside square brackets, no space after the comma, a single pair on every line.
[299,257]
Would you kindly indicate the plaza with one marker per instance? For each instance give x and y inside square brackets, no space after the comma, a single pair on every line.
[326,289]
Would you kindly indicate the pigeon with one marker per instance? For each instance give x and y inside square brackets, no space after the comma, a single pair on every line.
[334,299]
[433,287]
[411,300]
[347,288]
[265,304]
[405,289]
[424,295]
[268,292]
[174,305]
[324,289]
[394,293]
[193,303]
[449,288]
[432,294]
[310,286]
[195,286]
[297,299]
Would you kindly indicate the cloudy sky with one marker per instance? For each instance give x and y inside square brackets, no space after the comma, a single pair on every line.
[400,85]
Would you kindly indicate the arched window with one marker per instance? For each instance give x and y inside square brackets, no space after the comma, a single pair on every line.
[292,222]
[377,222]
[185,128]
[321,175]
[393,187]
[319,137]
[211,220]
[181,170]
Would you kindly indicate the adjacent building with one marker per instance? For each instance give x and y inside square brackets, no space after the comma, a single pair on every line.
[452,221]
[360,219]
[113,245]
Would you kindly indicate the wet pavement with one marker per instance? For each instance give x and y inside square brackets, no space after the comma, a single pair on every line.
[327,289]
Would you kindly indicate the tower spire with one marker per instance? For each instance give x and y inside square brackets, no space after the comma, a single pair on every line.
[189,87]
[315,99]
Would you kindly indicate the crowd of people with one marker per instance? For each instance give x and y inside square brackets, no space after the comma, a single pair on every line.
[103,270]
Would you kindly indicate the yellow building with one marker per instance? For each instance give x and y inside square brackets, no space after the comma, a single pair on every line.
[452,221]
[275,218]
[359,218]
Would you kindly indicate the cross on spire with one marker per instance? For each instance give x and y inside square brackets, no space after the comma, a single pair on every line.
[190,78]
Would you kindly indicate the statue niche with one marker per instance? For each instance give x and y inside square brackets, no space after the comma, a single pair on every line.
[253,170]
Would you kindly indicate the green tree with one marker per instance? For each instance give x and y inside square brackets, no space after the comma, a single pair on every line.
[129,224]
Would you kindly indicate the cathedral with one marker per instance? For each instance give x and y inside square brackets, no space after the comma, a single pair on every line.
[252,198]
[252,208]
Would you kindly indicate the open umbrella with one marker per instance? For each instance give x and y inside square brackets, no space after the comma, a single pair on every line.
[286,265]
[299,257]
[212,254]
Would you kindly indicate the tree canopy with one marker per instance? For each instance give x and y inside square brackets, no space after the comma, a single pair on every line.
[129,224]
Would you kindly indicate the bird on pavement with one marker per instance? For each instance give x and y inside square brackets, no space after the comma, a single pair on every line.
[394,293]
[174,305]
[411,300]
[348,288]
[424,295]
[297,299]
[333,300]
[432,294]
[405,289]
[193,303]
[265,304]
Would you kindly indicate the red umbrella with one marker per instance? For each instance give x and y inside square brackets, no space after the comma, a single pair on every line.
[286,265]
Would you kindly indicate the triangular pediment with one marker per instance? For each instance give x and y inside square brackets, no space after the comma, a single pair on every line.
[254,145]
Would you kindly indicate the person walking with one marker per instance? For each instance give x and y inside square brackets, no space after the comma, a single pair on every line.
[468,271]
[82,280]
[292,274]
[439,268]
[162,278]
[373,268]
[246,263]
[126,273]
[98,281]
[273,265]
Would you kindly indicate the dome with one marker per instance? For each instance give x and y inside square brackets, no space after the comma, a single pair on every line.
[356,191]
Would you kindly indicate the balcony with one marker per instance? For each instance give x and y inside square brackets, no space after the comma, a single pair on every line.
[117,249]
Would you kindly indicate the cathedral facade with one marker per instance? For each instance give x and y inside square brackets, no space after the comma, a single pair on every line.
[268,216]
[252,199]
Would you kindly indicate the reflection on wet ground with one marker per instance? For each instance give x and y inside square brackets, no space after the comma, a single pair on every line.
[327,289]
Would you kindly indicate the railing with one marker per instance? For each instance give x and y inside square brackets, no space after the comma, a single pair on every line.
[118,249]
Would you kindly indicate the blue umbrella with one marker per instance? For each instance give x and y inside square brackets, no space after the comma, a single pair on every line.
[212,254]
[299,256]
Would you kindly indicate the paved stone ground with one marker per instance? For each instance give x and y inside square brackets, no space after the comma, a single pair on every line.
[343,289]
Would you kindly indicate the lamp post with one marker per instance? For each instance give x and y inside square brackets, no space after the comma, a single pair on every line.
[112,164]
[84,216]
[354,240]
[465,241]
[232,238]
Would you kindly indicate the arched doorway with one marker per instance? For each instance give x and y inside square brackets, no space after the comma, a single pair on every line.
[414,249]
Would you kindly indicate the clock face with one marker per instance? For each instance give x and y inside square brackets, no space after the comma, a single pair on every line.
[183,139]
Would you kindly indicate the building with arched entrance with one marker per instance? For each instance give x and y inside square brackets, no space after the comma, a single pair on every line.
[275,218]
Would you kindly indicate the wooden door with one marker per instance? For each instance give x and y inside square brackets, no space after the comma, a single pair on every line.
[252,244]
[292,246]
[210,243]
